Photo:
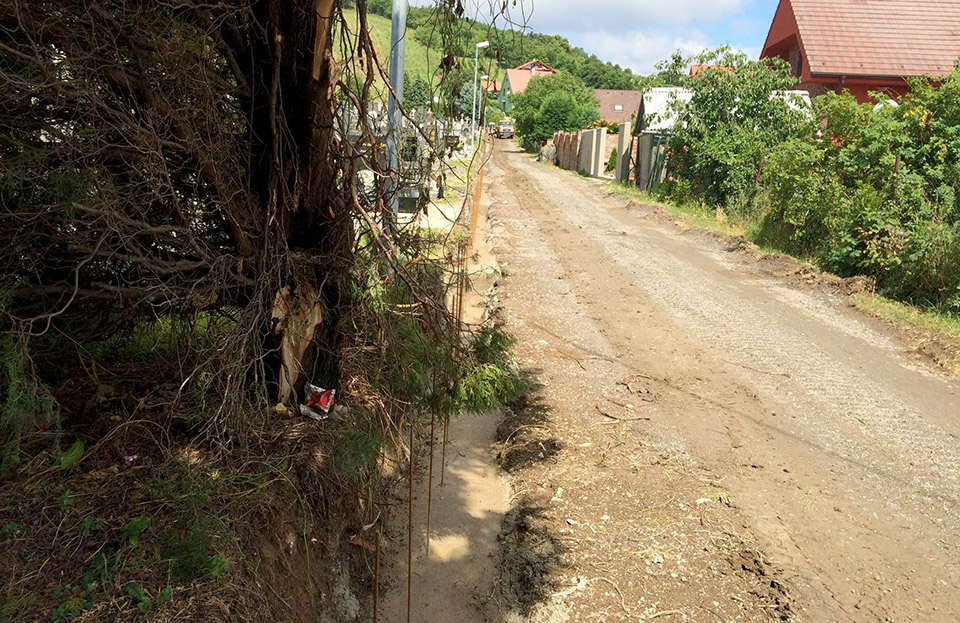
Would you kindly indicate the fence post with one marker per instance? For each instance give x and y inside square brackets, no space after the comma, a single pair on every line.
[599,147]
[623,153]
[644,155]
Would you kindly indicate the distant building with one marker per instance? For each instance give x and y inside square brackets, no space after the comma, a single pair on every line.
[617,105]
[655,111]
[516,80]
[696,70]
[864,45]
[490,86]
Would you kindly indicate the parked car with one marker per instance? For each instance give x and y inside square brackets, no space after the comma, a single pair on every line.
[505,129]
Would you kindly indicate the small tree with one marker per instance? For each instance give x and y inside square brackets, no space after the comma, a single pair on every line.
[734,117]
[559,102]
[416,92]
[466,102]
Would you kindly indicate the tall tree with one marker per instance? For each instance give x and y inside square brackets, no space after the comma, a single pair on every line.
[162,158]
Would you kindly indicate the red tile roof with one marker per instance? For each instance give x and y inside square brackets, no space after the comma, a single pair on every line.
[696,70]
[520,76]
[537,64]
[879,38]
[518,79]
[609,99]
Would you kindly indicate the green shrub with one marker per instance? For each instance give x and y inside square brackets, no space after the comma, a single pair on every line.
[28,406]
[611,161]
[731,121]
[798,198]
[491,378]
[864,189]
[558,102]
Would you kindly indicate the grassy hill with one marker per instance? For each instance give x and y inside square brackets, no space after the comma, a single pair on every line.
[418,60]
[508,48]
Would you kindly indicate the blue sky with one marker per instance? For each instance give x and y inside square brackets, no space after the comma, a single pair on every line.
[638,33]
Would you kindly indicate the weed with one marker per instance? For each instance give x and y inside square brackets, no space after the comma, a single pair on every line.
[144,603]
[132,531]
[187,548]
[10,531]
[15,603]
[70,608]
[89,525]
[188,553]
[102,569]
[26,405]
[695,213]
[66,501]
[356,452]
[217,565]
[185,486]
[901,312]
[70,458]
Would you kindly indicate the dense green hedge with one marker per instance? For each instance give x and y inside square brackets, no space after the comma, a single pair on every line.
[555,103]
[862,189]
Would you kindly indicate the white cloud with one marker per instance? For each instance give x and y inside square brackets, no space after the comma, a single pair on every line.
[632,33]
[566,16]
[640,50]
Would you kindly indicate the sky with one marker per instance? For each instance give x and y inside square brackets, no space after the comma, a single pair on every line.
[639,33]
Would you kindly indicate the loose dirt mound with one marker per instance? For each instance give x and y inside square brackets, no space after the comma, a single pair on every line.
[530,554]
[519,434]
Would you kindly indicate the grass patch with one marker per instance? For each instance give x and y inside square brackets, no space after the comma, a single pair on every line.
[695,214]
[418,60]
[356,452]
[26,404]
[928,319]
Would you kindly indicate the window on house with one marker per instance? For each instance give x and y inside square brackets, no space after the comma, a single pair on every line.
[617,107]
[796,62]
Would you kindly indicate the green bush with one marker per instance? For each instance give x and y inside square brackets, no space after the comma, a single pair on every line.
[861,188]
[27,405]
[731,121]
[554,103]
[797,198]
[490,378]
[612,161]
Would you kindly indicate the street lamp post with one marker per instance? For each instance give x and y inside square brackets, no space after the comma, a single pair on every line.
[398,31]
[476,70]
[481,90]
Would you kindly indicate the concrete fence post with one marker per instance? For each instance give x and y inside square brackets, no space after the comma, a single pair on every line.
[643,175]
[588,146]
[623,153]
[599,148]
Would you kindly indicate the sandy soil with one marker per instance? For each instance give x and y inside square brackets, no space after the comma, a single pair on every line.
[711,440]
[457,579]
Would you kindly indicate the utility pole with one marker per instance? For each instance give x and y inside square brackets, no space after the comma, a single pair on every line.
[473,117]
[398,33]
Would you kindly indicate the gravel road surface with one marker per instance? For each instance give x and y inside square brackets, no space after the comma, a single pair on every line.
[838,450]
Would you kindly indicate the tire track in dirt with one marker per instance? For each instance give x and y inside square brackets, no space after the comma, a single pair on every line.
[640,535]
[840,449]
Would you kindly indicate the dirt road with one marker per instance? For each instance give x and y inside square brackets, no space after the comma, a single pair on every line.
[836,451]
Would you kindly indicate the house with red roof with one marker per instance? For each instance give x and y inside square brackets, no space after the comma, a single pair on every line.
[864,45]
[617,105]
[516,80]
